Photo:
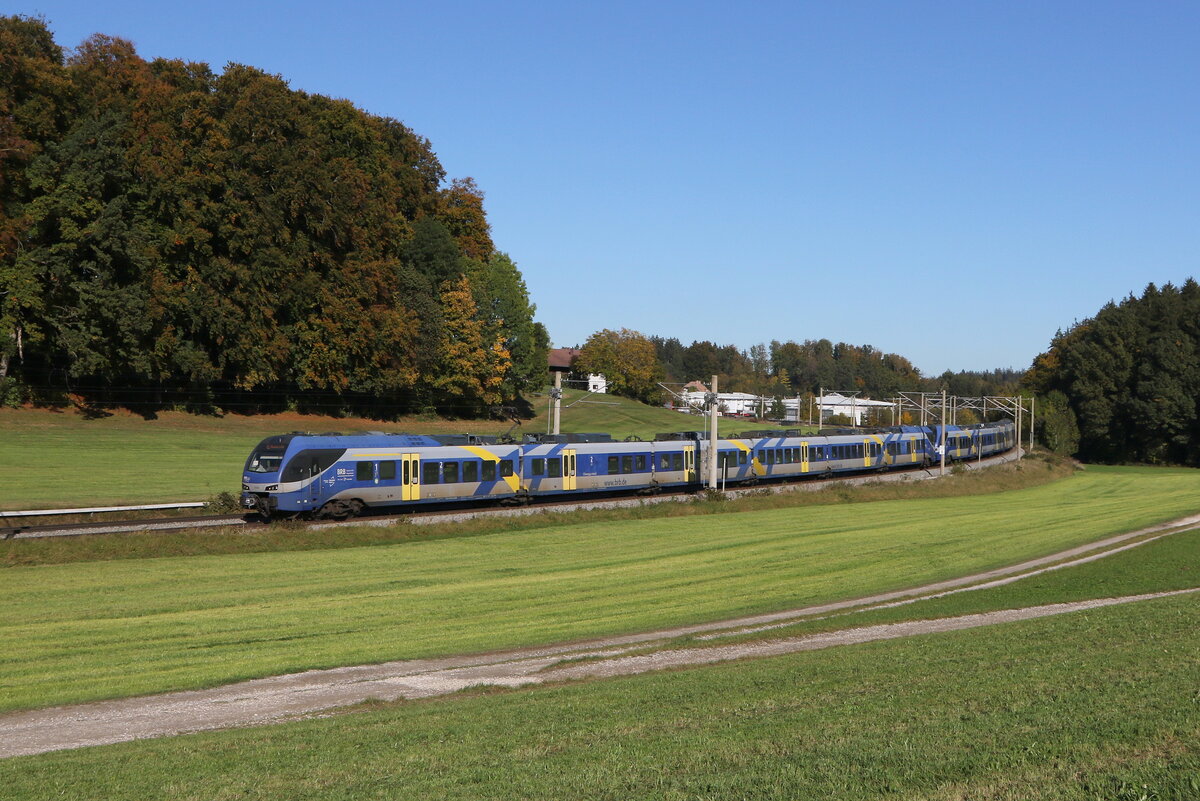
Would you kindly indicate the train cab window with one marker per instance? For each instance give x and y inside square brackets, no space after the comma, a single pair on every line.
[677,461]
[614,466]
[489,471]
[640,464]
[506,468]
[430,472]
[387,471]
[470,472]
[537,467]
[626,464]
[554,467]
[449,472]
[364,471]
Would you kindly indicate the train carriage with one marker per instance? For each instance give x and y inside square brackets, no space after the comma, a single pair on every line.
[330,475]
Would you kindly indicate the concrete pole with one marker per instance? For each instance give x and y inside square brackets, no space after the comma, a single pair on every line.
[943,432]
[556,417]
[821,410]
[1020,404]
[712,437]
[1032,418]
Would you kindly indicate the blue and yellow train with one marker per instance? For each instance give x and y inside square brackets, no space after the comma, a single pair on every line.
[336,476]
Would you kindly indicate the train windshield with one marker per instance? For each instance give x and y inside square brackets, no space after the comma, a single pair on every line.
[268,456]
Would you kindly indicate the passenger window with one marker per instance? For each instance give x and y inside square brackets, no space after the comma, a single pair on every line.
[613,466]
[489,471]
[664,461]
[538,467]
[470,472]
[387,471]
[626,464]
[677,461]
[640,464]
[741,457]
[429,472]
[365,471]
[554,467]
[449,472]
[506,468]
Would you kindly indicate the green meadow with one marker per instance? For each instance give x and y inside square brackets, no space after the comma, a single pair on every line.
[99,629]
[1086,706]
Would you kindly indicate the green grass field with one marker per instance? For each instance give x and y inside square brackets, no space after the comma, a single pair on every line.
[1082,707]
[59,459]
[91,630]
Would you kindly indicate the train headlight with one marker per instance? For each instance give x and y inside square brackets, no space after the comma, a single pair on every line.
[245,487]
[272,487]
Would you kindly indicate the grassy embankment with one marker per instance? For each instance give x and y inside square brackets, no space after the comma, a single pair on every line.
[1033,471]
[1086,706]
[266,613]
[60,459]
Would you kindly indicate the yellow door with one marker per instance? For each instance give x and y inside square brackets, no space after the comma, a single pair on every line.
[866,453]
[803,457]
[569,470]
[689,463]
[410,480]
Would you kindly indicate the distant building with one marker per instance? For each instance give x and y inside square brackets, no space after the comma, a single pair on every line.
[733,404]
[743,404]
[852,408]
[561,361]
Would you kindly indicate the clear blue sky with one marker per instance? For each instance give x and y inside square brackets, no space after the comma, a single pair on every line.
[951,181]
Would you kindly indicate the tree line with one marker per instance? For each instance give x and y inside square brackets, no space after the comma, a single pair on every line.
[168,232]
[1123,386]
[636,364]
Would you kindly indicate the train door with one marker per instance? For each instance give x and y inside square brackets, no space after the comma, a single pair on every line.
[689,463]
[410,477]
[569,473]
[803,457]
[314,486]
[866,453]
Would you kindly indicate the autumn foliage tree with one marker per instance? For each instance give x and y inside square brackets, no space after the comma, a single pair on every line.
[166,231]
[628,361]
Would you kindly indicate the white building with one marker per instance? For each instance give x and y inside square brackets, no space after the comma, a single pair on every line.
[747,405]
[853,408]
[597,383]
[733,404]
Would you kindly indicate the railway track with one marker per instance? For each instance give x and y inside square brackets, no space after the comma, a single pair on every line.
[458,512]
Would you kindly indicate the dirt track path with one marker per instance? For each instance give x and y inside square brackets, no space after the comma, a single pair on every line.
[297,695]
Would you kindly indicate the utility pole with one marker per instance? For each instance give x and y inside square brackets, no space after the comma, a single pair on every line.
[712,436]
[943,431]
[556,399]
[1032,417]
